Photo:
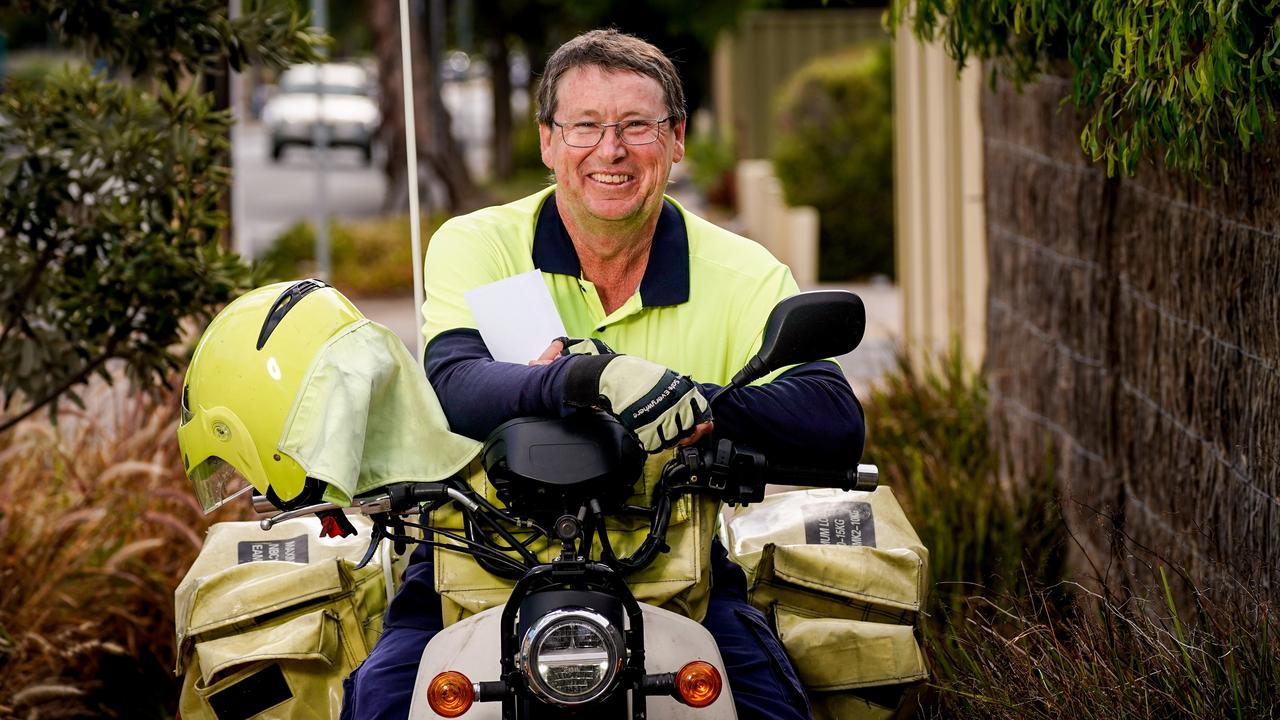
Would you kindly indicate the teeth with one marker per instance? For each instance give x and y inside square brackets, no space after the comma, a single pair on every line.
[610,179]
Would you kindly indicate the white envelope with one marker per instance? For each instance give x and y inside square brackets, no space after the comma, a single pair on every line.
[516,316]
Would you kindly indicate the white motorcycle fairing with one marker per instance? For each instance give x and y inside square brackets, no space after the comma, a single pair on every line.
[471,647]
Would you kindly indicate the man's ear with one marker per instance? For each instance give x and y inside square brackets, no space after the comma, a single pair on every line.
[677,134]
[544,143]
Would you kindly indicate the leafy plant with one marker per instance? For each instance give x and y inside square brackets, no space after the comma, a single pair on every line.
[1193,82]
[110,196]
[834,151]
[108,226]
[712,160]
[928,433]
[170,39]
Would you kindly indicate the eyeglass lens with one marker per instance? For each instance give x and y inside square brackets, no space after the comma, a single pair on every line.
[632,132]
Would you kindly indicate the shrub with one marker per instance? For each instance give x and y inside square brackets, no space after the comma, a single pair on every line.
[712,160]
[526,148]
[834,151]
[368,257]
[110,196]
[109,218]
[927,431]
[1196,83]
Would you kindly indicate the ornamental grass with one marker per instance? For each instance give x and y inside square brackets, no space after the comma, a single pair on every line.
[97,527]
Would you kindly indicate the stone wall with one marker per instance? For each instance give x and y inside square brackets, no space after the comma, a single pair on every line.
[1134,334]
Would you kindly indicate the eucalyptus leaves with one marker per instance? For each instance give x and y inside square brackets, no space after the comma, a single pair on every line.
[1191,82]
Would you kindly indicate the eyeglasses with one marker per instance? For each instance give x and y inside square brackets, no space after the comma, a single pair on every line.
[585,134]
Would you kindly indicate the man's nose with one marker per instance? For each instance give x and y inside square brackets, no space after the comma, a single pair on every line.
[611,145]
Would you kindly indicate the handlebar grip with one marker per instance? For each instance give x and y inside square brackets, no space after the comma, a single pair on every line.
[865,478]
[406,495]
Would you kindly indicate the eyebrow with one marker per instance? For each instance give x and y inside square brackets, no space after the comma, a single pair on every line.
[594,116]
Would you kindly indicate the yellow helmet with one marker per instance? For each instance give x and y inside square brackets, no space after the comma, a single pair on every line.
[240,387]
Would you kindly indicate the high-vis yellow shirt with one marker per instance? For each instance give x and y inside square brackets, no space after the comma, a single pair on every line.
[700,310]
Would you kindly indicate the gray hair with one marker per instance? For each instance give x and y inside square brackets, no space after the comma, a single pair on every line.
[611,51]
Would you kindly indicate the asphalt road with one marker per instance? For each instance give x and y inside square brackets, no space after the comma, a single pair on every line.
[273,196]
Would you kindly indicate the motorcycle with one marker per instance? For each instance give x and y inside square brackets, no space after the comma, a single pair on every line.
[573,642]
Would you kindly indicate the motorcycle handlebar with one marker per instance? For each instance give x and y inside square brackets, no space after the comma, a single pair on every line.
[397,499]
[864,478]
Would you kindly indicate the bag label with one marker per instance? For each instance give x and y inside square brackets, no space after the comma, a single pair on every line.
[292,550]
[844,523]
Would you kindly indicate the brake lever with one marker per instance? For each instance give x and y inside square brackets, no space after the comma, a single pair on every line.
[376,536]
[365,506]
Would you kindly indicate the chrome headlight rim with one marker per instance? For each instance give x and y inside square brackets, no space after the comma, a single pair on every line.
[614,642]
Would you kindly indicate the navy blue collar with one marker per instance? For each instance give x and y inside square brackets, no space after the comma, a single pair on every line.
[666,277]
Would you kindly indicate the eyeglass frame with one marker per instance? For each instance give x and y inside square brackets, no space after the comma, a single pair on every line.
[617,130]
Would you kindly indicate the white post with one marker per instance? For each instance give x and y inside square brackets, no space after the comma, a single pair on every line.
[802,239]
[411,158]
[321,142]
[751,197]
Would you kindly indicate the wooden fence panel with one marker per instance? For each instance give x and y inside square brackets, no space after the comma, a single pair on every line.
[767,49]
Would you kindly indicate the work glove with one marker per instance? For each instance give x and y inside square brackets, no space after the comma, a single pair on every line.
[655,403]
[583,346]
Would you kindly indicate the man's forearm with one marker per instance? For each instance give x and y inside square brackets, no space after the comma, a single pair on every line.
[808,413]
[478,393]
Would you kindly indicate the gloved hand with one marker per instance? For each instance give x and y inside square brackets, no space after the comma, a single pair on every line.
[581,346]
[659,406]
[566,346]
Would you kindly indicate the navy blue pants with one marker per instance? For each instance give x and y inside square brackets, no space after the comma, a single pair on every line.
[763,682]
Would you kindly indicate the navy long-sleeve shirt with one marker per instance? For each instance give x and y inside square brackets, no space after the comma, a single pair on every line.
[807,413]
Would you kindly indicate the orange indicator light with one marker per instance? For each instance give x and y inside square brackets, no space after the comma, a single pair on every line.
[698,683]
[451,694]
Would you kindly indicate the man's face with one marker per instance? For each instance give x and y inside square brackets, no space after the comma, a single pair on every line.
[612,181]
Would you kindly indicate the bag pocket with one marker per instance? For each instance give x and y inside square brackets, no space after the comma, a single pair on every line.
[853,583]
[835,654]
[278,671]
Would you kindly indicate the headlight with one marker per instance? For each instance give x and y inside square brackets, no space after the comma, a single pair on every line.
[571,656]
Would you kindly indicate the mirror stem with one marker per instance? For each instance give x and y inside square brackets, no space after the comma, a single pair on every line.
[754,369]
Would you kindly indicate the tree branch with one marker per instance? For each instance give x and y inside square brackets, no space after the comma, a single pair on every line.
[56,392]
[37,270]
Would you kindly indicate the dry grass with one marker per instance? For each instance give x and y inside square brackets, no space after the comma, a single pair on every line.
[1113,659]
[97,527]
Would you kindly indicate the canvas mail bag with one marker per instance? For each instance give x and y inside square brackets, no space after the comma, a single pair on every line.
[842,576]
[270,622]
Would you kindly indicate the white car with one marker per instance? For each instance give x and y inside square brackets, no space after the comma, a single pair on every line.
[337,94]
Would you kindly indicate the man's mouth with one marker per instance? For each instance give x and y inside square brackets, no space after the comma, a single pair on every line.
[611,178]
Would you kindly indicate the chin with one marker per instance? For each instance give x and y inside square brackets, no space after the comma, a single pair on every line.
[615,210]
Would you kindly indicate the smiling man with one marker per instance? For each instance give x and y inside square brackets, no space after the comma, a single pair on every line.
[663,308]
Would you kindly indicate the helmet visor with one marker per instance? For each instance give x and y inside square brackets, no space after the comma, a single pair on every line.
[217,483]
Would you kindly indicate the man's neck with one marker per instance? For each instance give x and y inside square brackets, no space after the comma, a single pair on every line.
[613,256]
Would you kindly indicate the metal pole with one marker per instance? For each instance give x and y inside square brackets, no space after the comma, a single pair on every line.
[321,141]
[411,159]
